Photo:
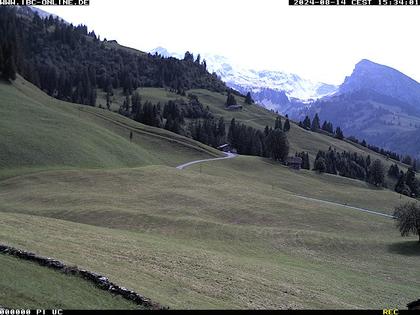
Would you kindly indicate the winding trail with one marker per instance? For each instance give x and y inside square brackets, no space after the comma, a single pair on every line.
[232,155]
[346,206]
[228,156]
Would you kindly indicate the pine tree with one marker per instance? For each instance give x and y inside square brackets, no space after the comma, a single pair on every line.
[286,126]
[394,171]
[135,103]
[189,57]
[339,133]
[230,100]
[248,98]
[1,58]
[9,66]
[377,173]
[320,165]
[407,160]
[315,123]
[307,123]
[412,182]
[278,145]
[108,100]
[277,124]
[401,187]
[232,133]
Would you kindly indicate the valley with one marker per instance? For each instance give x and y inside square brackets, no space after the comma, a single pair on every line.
[222,234]
[99,169]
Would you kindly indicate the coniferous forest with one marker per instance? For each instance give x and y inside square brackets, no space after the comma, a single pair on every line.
[70,63]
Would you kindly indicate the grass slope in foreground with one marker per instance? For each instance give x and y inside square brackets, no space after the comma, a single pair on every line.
[41,133]
[232,236]
[30,286]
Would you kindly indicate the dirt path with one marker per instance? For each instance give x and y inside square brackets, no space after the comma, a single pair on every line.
[347,206]
[231,155]
[228,156]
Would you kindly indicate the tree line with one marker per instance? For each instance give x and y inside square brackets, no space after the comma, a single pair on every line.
[350,164]
[407,183]
[70,63]
[328,128]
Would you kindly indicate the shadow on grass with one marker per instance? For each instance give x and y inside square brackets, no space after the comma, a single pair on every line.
[407,248]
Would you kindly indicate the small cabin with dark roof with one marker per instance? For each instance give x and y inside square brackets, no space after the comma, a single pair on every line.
[225,147]
[234,107]
[294,162]
[414,305]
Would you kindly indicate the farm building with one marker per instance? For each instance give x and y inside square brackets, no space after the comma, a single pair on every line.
[294,162]
[225,147]
[234,107]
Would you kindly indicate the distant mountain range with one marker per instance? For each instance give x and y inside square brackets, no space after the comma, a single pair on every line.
[376,103]
[273,89]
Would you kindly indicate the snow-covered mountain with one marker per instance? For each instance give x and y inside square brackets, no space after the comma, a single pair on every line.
[274,89]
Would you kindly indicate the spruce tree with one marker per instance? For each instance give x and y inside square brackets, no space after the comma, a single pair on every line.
[9,66]
[277,124]
[377,173]
[277,145]
[307,123]
[320,165]
[339,133]
[248,98]
[315,123]
[286,126]
[401,187]
[230,100]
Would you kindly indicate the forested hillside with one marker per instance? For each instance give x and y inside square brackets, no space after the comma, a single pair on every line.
[70,63]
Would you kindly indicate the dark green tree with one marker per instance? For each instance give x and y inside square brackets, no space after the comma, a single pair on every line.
[394,171]
[286,126]
[278,124]
[320,165]
[307,123]
[248,98]
[278,145]
[339,133]
[408,219]
[315,123]
[401,187]
[231,100]
[377,173]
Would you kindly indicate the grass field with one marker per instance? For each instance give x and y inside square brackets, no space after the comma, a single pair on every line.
[38,132]
[227,240]
[30,286]
[223,234]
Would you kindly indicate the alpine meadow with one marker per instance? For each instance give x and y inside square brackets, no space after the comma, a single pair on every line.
[151,181]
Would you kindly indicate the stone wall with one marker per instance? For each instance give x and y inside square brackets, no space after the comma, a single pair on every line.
[100,281]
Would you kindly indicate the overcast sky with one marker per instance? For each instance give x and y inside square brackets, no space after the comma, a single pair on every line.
[317,43]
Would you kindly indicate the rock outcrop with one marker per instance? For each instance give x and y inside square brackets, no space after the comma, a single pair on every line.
[100,281]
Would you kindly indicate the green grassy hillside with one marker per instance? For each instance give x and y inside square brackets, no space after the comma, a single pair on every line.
[232,236]
[38,132]
[223,234]
[30,286]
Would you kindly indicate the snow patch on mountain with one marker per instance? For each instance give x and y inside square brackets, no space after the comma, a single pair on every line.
[255,81]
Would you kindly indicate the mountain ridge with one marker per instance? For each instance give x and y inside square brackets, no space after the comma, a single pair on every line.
[266,86]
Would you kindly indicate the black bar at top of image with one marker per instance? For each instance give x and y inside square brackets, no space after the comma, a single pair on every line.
[44,2]
[354,2]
